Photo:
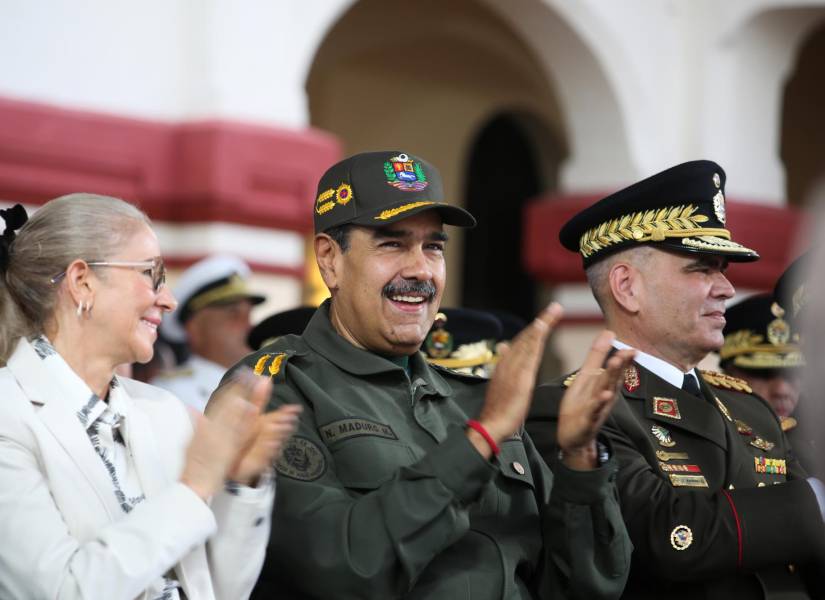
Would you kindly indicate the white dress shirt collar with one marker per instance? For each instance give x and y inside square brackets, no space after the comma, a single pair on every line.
[673,375]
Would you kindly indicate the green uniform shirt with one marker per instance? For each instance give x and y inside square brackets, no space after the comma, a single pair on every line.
[380,494]
[715,502]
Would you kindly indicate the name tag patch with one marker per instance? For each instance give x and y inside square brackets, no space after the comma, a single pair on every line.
[348,428]
[679,480]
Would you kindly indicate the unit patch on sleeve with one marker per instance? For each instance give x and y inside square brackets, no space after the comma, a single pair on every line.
[347,428]
[302,459]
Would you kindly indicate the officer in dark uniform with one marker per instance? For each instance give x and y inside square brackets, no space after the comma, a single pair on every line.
[762,347]
[714,501]
[410,480]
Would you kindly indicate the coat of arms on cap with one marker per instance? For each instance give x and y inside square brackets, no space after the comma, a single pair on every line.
[405,174]
[719,207]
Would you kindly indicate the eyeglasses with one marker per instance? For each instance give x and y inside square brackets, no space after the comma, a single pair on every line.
[155,268]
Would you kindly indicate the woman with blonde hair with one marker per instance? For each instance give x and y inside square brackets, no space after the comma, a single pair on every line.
[106,488]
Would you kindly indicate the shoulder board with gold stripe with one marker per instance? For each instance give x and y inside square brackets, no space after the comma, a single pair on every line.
[271,364]
[570,379]
[787,423]
[728,382]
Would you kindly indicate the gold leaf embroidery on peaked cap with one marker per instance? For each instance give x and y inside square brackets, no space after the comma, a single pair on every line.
[645,226]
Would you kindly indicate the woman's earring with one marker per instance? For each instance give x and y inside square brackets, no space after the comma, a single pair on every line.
[80,309]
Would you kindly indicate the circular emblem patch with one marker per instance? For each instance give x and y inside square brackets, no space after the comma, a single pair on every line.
[681,537]
[302,459]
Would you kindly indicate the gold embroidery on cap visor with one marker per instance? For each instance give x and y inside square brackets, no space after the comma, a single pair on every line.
[391,212]
[656,225]
[748,349]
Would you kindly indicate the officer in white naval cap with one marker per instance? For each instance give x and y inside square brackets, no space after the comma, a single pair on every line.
[213,318]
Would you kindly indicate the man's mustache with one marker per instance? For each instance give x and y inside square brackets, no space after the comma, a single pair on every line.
[402,288]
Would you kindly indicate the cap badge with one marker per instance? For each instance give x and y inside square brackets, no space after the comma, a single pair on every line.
[779,332]
[717,181]
[681,537]
[719,206]
[405,174]
[439,342]
[666,407]
[662,435]
[631,378]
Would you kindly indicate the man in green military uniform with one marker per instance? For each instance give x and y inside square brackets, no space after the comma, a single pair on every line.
[406,479]
[715,504]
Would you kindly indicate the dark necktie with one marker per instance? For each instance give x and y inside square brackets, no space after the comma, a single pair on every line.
[690,385]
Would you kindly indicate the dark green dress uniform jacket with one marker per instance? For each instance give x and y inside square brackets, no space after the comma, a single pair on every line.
[732,539]
[381,495]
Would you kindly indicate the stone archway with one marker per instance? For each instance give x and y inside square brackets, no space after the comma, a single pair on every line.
[802,141]
[424,81]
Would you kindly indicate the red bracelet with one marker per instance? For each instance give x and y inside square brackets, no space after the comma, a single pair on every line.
[473,424]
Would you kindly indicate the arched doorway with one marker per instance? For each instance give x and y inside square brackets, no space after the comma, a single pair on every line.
[512,159]
[802,145]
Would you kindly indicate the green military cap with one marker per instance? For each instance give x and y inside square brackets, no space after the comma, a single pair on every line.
[757,336]
[377,188]
[682,209]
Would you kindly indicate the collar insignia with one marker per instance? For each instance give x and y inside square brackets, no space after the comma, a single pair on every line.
[631,378]
[666,407]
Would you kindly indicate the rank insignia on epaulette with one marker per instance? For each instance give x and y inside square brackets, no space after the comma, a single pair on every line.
[727,382]
[681,537]
[679,480]
[762,444]
[662,435]
[787,423]
[272,367]
[631,378]
[723,409]
[570,378]
[771,466]
[666,407]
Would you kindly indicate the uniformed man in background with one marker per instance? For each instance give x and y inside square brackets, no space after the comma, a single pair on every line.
[409,480]
[715,503]
[762,347]
[213,319]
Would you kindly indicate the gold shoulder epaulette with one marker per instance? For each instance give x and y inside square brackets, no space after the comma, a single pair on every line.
[570,378]
[270,364]
[787,423]
[726,381]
